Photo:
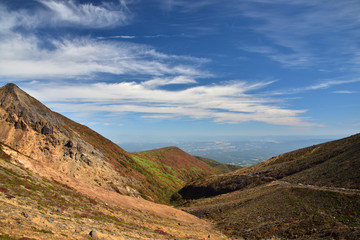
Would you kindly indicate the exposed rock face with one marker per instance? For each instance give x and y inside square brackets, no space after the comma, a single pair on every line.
[32,129]
[93,234]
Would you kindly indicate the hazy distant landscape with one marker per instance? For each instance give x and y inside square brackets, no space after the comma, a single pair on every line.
[240,152]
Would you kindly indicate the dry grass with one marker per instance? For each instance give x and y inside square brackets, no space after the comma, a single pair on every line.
[317,197]
[283,211]
[42,209]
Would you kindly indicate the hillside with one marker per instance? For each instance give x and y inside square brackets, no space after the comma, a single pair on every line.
[76,151]
[171,168]
[33,207]
[59,179]
[311,193]
[332,164]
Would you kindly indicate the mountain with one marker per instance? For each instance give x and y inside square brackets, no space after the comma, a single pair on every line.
[34,207]
[65,148]
[59,178]
[311,193]
[171,168]
[71,149]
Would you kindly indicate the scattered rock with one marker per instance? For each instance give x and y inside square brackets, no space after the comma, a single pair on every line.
[69,144]
[25,214]
[93,234]
[50,219]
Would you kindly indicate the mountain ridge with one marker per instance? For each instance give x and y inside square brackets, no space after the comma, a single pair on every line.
[310,193]
[330,161]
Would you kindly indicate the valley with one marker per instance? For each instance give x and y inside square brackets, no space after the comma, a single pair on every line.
[310,193]
[62,180]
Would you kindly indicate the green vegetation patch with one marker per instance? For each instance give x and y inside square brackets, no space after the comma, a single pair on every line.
[146,162]
[42,230]
[6,237]
[194,169]
[162,172]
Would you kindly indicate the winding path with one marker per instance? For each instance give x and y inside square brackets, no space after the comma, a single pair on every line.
[321,188]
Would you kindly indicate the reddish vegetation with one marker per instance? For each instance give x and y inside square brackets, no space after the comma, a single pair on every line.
[113,153]
[92,201]
[8,196]
[310,193]
[161,232]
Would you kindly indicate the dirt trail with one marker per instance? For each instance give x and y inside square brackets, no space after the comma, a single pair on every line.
[321,188]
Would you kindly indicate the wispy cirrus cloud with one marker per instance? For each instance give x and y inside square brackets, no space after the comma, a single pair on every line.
[70,58]
[330,83]
[44,57]
[88,15]
[345,92]
[325,84]
[226,103]
[117,37]
[84,56]
[293,26]
[156,82]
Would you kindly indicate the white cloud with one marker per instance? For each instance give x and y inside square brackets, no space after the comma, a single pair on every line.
[23,56]
[330,83]
[318,86]
[168,81]
[84,56]
[117,37]
[228,103]
[345,92]
[88,15]
[26,55]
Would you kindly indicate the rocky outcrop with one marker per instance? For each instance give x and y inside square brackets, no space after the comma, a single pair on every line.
[29,127]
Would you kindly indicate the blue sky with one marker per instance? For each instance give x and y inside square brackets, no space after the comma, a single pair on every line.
[160,70]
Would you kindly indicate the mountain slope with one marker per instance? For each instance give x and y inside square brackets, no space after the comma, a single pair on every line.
[59,179]
[172,168]
[33,207]
[333,164]
[48,138]
[311,193]
[74,150]
[280,210]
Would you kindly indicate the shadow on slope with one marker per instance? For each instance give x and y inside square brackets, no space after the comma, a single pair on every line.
[332,164]
[311,193]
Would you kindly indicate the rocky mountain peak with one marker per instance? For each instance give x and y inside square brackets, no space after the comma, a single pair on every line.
[8,93]
[25,111]
[11,87]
